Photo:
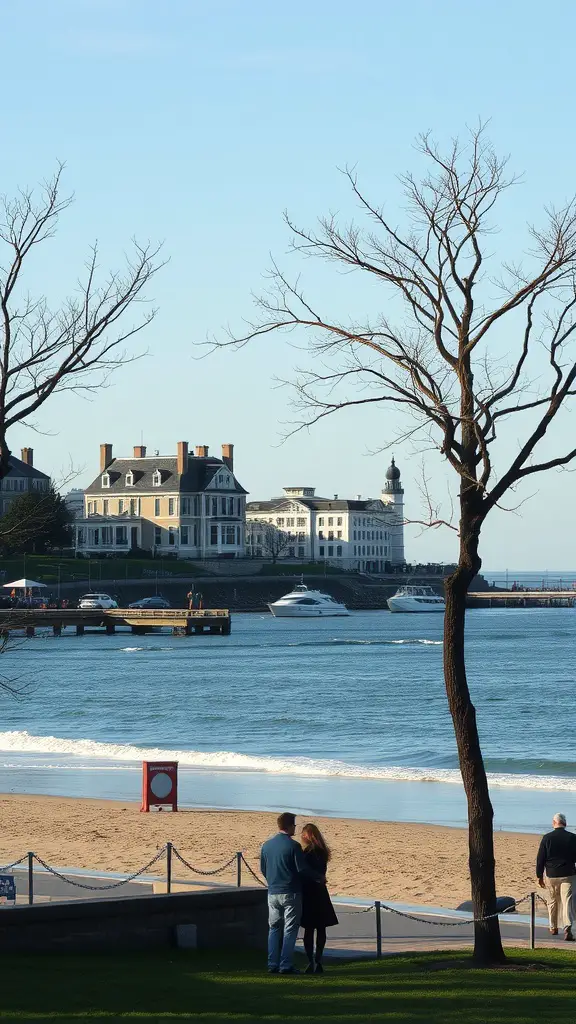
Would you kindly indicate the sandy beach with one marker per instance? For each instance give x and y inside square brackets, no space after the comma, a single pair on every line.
[409,863]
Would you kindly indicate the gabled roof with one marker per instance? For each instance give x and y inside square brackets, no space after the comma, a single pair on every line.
[22,469]
[197,477]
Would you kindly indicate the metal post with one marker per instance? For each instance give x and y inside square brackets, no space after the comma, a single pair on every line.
[532,920]
[168,867]
[378,930]
[239,868]
[30,877]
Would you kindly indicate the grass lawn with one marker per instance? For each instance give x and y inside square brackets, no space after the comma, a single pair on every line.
[44,568]
[432,988]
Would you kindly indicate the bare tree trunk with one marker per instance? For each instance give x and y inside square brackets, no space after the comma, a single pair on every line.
[487,941]
[4,456]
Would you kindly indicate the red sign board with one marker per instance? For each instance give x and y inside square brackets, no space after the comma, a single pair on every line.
[159,785]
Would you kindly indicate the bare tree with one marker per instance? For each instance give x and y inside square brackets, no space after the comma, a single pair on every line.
[275,542]
[466,354]
[73,348]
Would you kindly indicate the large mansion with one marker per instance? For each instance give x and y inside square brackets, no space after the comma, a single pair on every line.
[359,534]
[187,504]
[21,478]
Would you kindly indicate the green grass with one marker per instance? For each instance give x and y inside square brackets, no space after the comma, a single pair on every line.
[432,988]
[44,568]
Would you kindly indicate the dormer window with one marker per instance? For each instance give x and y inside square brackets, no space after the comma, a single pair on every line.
[130,478]
[105,479]
[156,478]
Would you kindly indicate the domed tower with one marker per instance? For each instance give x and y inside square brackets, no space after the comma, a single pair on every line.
[393,494]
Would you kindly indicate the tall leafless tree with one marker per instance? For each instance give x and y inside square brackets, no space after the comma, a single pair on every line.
[73,348]
[465,354]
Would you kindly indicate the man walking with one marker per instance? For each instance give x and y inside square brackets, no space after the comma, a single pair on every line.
[282,863]
[557,857]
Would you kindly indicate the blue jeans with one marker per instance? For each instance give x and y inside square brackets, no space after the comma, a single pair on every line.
[284,912]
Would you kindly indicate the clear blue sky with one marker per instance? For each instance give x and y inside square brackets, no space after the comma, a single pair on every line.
[198,123]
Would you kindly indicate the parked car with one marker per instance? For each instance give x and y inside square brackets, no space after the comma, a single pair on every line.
[94,601]
[150,602]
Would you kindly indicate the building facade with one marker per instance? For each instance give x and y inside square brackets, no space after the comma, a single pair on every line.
[21,479]
[362,534]
[186,505]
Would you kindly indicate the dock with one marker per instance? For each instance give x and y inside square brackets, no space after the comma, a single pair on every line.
[182,621]
[522,599]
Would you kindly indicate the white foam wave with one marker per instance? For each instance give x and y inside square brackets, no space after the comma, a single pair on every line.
[16,742]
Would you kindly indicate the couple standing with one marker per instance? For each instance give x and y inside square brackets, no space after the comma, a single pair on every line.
[297,895]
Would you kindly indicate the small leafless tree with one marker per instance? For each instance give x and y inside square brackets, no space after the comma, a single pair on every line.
[465,354]
[73,348]
[275,542]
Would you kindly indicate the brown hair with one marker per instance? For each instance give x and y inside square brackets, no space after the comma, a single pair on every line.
[286,820]
[315,840]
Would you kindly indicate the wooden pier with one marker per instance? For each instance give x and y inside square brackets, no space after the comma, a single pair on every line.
[522,599]
[182,621]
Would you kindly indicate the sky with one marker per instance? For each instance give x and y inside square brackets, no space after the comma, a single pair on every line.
[197,124]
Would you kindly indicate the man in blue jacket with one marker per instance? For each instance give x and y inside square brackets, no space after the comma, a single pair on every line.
[283,864]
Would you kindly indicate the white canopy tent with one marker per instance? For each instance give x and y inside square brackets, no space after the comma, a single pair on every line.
[23,584]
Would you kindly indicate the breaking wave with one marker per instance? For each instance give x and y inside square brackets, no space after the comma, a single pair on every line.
[66,753]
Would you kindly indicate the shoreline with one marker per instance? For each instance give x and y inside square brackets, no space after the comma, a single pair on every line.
[405,862]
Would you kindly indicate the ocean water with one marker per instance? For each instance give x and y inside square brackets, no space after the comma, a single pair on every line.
[342,716]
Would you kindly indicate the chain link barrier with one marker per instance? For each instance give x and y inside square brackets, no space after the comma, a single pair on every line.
[252,872]
[200,871]
[452,924]
[14,863]
[99,888]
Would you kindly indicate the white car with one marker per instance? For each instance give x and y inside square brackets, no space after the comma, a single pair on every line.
[94,601]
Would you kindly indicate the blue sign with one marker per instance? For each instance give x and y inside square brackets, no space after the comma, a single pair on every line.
[8,887]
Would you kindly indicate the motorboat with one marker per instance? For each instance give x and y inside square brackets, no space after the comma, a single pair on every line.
[416,599]
[306,604]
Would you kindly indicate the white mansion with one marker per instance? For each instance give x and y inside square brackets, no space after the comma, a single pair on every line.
[359,534]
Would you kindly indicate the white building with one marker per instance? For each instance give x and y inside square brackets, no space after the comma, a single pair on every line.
[363,534]
[75,502]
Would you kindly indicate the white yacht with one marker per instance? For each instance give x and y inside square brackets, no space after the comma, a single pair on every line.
[306,604]
[416,599]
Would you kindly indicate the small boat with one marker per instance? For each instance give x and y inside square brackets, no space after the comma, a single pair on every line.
[416,599]
[306,604]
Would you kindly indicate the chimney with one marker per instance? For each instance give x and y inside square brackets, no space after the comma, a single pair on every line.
[140,451]
[182,463]
[228,456]
[28,456]
[105,456]
[201,451]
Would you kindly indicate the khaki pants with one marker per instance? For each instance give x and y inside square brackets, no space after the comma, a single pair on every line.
[560,891]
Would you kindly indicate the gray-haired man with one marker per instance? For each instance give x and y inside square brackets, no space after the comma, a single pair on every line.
[557,857]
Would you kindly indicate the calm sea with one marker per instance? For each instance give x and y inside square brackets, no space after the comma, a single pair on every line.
[342,716]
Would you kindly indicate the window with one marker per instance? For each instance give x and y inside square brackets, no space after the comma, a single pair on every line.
[157,535]
[156,478]
[330,534]
[172,535]
[185,506]
[156,507]
[96,538]
[90,508]
[339,551]
[183,534]
[321,521]
[105,480]
[279,522]
[196,505]
[106,535]
[105,504]
[320,534]
[214,534]
[290,522]
[130,478]
[171,509]
[214,506]
[354,549]
[300,552]
[330,550]
[321,551]
[300,522]
[301,537]
[195,528]
[230,535]
[230,506]
[80,538]
[120,505]
[339,521]
[331,521]
[222,506]
[339,534]
[133,506]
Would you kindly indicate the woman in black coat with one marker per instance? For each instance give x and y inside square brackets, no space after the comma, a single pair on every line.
[317,910]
